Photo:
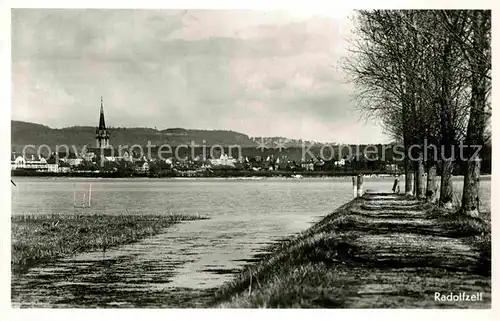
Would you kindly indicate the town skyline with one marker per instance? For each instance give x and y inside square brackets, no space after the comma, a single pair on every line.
[187,69]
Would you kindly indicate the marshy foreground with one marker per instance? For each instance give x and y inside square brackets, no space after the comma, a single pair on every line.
[380,250]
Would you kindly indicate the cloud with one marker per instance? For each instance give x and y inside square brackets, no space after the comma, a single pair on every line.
[261,73]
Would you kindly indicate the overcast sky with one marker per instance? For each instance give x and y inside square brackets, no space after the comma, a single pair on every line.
[256,72]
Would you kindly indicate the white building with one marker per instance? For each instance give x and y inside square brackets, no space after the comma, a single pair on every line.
[33,163]
[224,160]
[52,165]
[391,167]
[142,166]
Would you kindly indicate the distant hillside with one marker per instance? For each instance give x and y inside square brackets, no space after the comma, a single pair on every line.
[25,133]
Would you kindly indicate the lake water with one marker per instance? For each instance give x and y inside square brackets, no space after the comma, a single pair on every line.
[245,215]
[274,199]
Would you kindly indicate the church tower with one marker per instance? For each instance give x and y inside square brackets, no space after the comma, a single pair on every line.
[101,134]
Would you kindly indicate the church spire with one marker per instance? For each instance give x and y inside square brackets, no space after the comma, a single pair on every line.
[101,135]
[102,124]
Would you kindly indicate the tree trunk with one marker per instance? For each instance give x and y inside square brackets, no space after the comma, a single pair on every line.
[476,125]
[446,191]
[431,194]
[408,183]
[408,175]
[447,129]
[415,175]
[420,173]
[470,197]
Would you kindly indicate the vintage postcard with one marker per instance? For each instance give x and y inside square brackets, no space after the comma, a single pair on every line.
[237,158]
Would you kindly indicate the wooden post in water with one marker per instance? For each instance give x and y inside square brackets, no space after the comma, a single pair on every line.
[90,193]
[354,187]
[360,185]
[395,185]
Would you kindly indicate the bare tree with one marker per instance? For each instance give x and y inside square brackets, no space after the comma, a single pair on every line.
[473,36]
[411,73]
[382,70]
[390,68]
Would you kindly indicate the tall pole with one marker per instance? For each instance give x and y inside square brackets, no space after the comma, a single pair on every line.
[354,187]
[360,185]
[90,192]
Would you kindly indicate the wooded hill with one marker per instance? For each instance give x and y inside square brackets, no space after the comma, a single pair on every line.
[26,133]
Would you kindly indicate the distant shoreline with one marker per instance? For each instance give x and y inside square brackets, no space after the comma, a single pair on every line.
[236,175]
[206,174]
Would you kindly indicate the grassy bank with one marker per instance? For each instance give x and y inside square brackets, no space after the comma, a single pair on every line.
[369,256]
[475,231]
[42,238]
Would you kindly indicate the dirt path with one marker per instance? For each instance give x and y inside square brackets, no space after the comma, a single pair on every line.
[379,251]
[410,248]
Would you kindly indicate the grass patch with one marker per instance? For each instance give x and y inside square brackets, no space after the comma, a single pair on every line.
[463,225]
[42,238]
[475,231]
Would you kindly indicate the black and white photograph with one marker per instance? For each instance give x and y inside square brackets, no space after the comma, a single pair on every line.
[250,158]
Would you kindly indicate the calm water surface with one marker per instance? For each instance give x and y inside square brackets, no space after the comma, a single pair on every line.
[245,215]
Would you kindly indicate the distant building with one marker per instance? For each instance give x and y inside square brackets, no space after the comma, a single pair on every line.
[392,168]
[103,149]
[17,161]
[74,160]
[52,165]
[307,165]
[30,163]
[64,168]
[340,162]
[101,134]
[319,164]
[70,158]
[223,161]
[141,166]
